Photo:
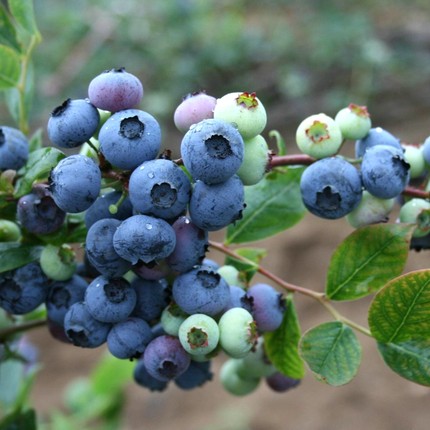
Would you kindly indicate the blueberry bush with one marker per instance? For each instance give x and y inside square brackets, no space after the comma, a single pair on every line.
[104,239]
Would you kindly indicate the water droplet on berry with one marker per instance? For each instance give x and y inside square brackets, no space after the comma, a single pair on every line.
[187,221]
[148,226]
[151,175]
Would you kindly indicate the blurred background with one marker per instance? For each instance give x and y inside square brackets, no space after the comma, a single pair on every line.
[301,57]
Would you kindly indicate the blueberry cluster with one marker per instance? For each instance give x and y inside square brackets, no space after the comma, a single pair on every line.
[145,287]
[365,188]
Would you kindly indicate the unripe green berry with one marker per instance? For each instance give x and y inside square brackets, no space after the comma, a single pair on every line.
[230,274]
[199,334]
[319,136]
[171,319]
[354,121]
[9,231]
[237,332]
[255,160]
[370,210]
[58,262]
[416,211]
[244,110]
[233,383]
[415,158]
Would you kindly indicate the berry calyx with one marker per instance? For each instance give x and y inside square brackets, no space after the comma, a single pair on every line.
[247,100]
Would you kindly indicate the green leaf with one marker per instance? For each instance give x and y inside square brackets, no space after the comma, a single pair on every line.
[19,420]
[367,259]
[332,352]
[23,12]
[273,205]
[10,67]
[281,345]
[247,269]
[401,310]
[39,165]
[14,255]
[410,360]
[7,30]
[36,140]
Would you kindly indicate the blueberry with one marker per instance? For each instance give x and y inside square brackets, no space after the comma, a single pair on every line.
[331,187]
[237,332]
[171,318]
[319,136]
[73,123]
[197,374]
[376,136]
[165,358]
[151,298]
[144,379]
[62,295]
[100,250]
[425,149]
[199,334]
[268,306]
[9,231]
[82,329]
[159,188]
[191,245]
[38,213]
[201,290]
[281,383]
[110,300]
[194,108]
[100,208]
[13,148]
[239,299]
[75,183]
[213,207]
[130,137]
[154,270]
[24,289]
[212,151]
[232,382]
[354,121]
[115,89]
[58,262]
[244,110]
[128,338]
[385,171]
[142,237]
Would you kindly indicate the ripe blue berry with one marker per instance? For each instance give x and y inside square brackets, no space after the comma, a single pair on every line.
[151,298]
[159,188]
[128,338]
[212,151]
[385,171]
[130,137]
[142,237]
[82,329]
[100,250]
[165,358]
[24,289]
[38,213]
[115,90]
[191,245]
[197,374]
[239,299]
[75,183]
[331,187]
[145,380]
[268,306]
[376,136]
[62,295]
[281,383]
[13,148]
[213,207]
[110,300]
[194,108]
[201,290]
[73,123]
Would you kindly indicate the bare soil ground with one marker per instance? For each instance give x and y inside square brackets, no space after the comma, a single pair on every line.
[377,399]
